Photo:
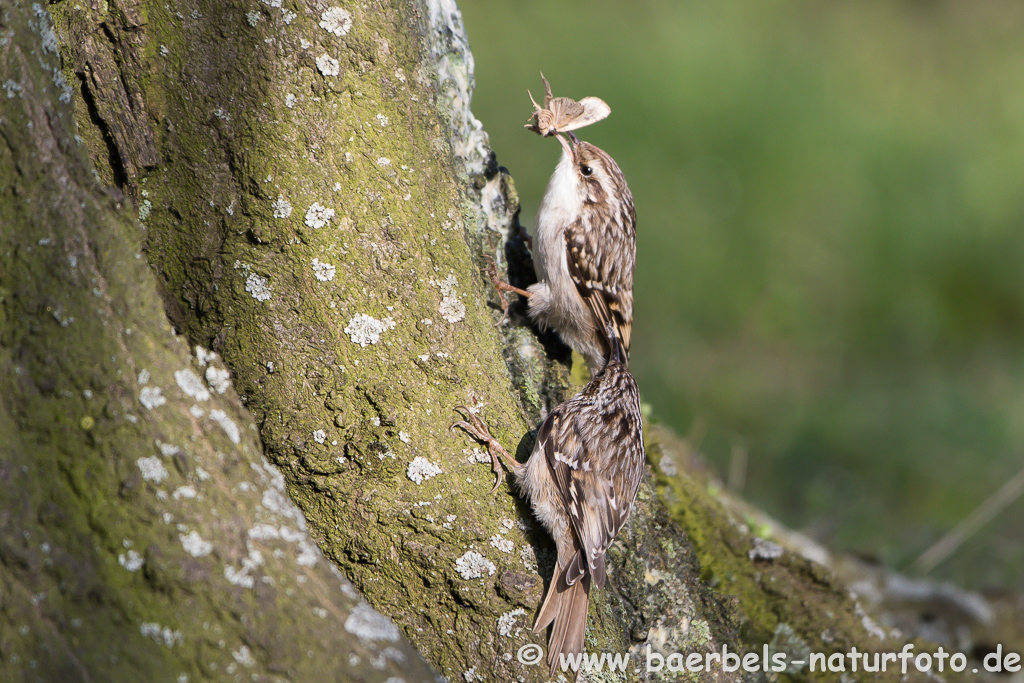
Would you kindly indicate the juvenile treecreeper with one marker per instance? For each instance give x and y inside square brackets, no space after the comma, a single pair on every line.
[581,481]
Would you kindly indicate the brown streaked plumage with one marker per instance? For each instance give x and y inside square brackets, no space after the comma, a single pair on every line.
[584,254]
[584,247]
[581,481]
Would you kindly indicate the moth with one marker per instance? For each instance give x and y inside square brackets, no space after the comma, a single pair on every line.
[561,114]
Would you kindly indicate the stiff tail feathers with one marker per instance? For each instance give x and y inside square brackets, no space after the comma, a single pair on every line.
[565,606]
[618,348]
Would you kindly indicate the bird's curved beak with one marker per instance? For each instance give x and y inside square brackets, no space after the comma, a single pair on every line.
[569,147]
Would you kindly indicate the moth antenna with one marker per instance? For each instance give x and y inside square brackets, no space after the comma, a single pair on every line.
[535,105]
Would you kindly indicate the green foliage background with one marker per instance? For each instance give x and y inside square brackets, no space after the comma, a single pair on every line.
[831,220]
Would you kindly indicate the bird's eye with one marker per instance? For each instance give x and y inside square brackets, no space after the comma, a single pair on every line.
[587,171]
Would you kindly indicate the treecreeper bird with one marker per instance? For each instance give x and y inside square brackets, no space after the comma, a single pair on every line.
[581,481]
[584,246]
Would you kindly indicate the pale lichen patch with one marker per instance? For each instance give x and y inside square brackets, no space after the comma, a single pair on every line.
[322,271]
[151,397]
[152,469]
[281,206]
[184,492]
[328,65]
[219,379]
[258,286]
[132,561]
[336,20]
[473,565]
[227,424]
[194,544]
[367,623]
[364,329]
[765,550]
[451,309]
[161,635]
[502,544]
[318,216]
[191,385]
[507,622]
[242,655]
[204,357]
[421,469]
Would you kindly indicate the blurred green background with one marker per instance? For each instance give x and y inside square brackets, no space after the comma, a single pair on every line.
[830,202]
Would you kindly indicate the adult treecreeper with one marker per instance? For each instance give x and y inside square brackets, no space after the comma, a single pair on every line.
[584,246]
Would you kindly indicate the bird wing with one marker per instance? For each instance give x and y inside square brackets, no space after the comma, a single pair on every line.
[601,254]
[594,447]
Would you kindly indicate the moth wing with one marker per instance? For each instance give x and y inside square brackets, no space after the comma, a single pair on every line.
[590,110]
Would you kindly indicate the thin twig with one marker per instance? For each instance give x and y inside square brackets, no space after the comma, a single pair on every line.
[941,550]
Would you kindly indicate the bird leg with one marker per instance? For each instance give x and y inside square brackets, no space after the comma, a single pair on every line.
[502,287]
[476,428]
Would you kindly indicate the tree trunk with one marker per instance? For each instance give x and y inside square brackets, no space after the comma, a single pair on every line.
[143,536]
[314,196]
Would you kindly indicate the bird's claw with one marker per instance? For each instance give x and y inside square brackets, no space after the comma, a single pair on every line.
[476,428]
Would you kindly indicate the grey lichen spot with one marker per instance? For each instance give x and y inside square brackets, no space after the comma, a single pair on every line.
[451,308]
[191,385]
[319,216]
[473,565]
[132,561]
[765,550]
[364,329]
[152,469]
[258,286]
[507,622]
[219,379]
[194,544]
[336,20]
[62,86]
[421,469]
[162,635]
[227,424]
[151,397]
[281,206]
[244,657]
[11,88]
[328,65]
[503,544]
[324,272]
[367,623]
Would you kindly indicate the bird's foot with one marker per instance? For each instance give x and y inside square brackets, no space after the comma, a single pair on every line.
[491,269]
[477,429]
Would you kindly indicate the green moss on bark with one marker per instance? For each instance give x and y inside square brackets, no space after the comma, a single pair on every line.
[142,535]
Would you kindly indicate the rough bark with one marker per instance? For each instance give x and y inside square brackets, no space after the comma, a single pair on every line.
[142,534]
[228,124]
